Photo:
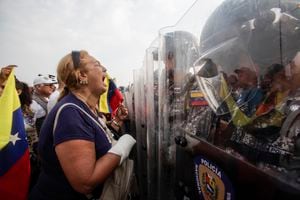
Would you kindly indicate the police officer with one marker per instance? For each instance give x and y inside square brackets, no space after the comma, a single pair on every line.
[263,122]
[177,52]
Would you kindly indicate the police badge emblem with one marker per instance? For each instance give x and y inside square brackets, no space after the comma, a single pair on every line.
[212,182]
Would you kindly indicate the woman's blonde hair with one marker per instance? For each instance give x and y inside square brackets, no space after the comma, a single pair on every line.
[66,72]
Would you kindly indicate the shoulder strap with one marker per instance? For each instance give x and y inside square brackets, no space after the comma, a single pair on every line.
[40,101]
[108,135]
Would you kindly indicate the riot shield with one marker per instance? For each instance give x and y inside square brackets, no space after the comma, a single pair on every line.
[177,52]
[151,84]
[129,104]
[140,120]
[238,133]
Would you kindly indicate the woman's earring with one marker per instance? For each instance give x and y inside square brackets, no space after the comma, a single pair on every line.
[83,82]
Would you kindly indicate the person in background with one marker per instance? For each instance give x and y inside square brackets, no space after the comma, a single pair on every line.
[32,137]
[75,148]
[43,88]
[54,96]
[233,84]
[279,89]
[4,73]
[250,95]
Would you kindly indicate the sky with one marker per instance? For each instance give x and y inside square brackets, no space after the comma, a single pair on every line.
[36,34]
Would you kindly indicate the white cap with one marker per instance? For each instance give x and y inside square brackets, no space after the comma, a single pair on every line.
[44,79]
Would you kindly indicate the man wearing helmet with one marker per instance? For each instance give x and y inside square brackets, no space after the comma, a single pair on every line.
[263,119]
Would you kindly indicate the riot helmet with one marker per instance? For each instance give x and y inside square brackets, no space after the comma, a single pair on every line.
[244,38]
[179,50]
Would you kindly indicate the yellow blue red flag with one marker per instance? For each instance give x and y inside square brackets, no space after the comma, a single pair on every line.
[238,117]
[14,153]
[111,99]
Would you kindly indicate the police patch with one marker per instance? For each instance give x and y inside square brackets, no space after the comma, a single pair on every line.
[197,98]
[211,181]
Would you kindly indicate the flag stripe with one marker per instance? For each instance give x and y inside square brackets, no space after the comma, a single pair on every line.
[9,102]
[110,93]
[11,153]
[104,104]
[14,184]
[116,99]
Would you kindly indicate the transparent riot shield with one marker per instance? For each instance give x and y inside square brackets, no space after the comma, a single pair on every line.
[140,120]
[239,130]
[165,152]
[151,83]
[129,104]
[177,52]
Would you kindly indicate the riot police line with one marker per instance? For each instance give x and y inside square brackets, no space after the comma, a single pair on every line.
[216,104]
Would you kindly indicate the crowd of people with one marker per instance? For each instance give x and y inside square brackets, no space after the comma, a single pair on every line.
[72,146]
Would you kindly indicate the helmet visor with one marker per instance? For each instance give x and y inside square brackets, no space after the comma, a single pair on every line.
[225,74]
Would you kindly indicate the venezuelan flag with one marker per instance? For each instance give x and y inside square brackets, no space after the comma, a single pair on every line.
[14,153]
[238,117]
[197,98]
[111,99]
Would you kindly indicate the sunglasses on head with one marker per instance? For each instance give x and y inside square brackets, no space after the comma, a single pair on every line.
[76,59]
